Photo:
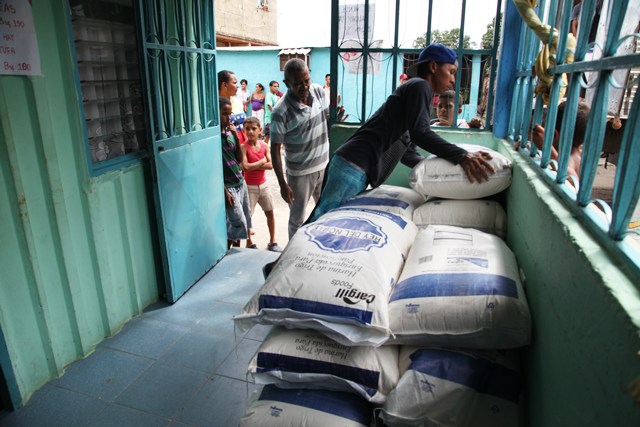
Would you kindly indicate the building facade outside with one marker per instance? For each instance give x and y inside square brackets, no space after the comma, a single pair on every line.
[246,22]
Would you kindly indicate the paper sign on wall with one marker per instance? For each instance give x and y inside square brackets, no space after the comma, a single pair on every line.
[18,44]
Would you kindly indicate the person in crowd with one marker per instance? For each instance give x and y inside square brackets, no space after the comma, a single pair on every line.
[578,136]
[227,88]
[227,84]
[238,122]
[393,132]
[403,78]
[257,103]
[446,108]
[327,88]
[269,102]
[244,95]
[299,122]
[595,20]
[256,160]
[235,188]
[575,14]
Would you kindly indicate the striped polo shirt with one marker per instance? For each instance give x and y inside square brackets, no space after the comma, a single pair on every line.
[231,169]
[303,130]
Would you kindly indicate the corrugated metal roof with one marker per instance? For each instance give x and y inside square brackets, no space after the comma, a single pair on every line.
[295,51]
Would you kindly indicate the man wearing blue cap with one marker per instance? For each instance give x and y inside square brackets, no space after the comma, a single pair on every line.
[393,132]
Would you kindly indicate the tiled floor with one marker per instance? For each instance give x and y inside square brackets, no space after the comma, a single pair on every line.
[175,365]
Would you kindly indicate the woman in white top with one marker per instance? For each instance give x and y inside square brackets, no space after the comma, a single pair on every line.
[244,95]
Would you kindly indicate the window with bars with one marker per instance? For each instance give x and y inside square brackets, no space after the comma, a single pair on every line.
[284,57]
[599,70]
[370,62]
[125,101]
[180,63]
[110,81]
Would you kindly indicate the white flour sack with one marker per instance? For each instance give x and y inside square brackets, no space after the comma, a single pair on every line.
[483,215]
[335,276]
[438,177]
[455,388]
[297,358]
[460,288]
[388,198]
[309,408]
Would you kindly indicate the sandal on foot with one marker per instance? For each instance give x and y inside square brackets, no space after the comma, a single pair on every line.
[274,247]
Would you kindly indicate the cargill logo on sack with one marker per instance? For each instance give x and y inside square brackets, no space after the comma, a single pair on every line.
[354,296]
[344,235]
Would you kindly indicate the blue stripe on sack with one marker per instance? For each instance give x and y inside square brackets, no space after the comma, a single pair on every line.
[376,201]
[314,307]
[401,222]
[454,285]
[367,379]
[479,374]
[341,404]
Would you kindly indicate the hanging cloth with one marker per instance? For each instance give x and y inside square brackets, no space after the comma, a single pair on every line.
[547,56]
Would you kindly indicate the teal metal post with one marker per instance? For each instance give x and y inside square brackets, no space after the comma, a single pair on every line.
[507,71]
[475,86]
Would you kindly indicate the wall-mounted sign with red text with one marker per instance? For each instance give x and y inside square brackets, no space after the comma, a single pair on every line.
[18,44]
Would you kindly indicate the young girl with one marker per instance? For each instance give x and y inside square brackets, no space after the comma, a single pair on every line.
[256,159]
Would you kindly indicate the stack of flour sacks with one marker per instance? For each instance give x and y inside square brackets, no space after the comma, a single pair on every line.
[392,310]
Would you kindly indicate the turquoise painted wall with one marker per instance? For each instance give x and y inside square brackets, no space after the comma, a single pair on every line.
[264,65]
[586,311]
[77,255]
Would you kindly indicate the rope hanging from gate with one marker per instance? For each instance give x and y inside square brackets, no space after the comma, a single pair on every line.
[547,56]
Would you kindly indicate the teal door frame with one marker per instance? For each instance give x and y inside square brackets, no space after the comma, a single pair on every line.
[179,57]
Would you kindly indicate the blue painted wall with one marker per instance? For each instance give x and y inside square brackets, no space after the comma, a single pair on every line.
[263,65]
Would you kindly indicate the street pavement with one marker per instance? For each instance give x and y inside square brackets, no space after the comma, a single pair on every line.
[281,211]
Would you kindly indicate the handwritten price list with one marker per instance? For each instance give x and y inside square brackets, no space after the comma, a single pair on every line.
[18,44]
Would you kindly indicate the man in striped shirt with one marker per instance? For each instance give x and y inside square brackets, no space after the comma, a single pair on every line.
[299,122]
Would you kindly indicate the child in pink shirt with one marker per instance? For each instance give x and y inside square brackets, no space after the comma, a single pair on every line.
[256,159]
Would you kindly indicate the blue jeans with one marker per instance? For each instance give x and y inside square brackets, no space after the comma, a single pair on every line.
[238,215]
[342,181]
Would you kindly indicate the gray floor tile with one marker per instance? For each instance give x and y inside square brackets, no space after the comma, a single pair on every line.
[163,390]
[236,364]
[103,374]
[178,313]
[200,351]
[175,365]
[220,319]
[146,337]
[41,392]
[206,409]
[59,407]
[117,415]
[237,277]
[258,332]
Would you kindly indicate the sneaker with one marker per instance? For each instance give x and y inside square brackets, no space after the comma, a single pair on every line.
[274,247]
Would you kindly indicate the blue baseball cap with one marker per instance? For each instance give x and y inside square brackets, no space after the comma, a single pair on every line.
[434,52]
